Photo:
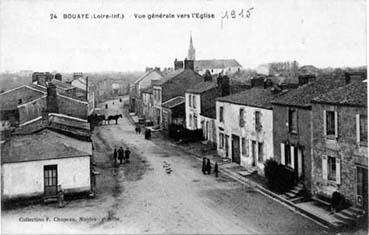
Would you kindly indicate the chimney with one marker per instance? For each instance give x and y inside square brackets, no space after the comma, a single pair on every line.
[207,76]
[223,83]
[178,64]
[189,64]
[51,99]
[58,76]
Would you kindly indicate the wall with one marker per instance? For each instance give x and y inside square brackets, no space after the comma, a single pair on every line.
[345,148]
[303,137]
[231,127]
[31,110]
[72,107]
[11,97]
[211,133]
[27,178]
[192,111]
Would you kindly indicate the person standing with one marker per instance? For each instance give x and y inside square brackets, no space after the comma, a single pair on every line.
[126,154]
[120,155]
[208,166]
[115,155]
[204,165]
[216,170]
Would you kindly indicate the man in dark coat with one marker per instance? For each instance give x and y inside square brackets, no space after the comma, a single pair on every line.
[208,166]
[216,170]
[203,165]
[126,154]
[120,155]
[115,155]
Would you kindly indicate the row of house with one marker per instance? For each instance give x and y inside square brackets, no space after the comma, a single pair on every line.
[46,141]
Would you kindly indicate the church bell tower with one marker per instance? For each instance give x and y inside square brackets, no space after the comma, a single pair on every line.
[191,51]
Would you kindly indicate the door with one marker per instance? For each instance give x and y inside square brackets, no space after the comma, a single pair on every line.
[50,180]
[253,152]
[362,187]
[227,145]
[236,149]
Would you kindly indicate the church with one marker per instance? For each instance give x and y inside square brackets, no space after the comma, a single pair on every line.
[215,66]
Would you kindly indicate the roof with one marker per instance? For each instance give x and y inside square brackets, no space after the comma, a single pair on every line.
[303,95]
[202,87]
[62,85]
[43,145]
[67,125]
[209,112]
[353,94]
[256,97]
[168,77]
[147,74]
[9,99]
[215,64]
[174,102]
[147,90]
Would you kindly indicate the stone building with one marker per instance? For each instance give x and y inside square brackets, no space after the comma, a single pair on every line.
[340,151]
[292,127]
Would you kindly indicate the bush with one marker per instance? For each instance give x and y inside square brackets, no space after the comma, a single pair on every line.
[279,178]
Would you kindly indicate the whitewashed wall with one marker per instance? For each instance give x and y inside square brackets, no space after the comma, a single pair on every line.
[27,178]
[192,111]
[231,126]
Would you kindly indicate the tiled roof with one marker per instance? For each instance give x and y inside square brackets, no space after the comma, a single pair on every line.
[256,97]
[167,77]
[303,95]
[43,145]
[355,94]
[147,74]
[9,99]
[61,85]
[209,112]
[215,64]
[174,102]
[202,87]
[147,90]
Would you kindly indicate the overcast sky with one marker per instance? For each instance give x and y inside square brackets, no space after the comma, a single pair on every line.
[319,32]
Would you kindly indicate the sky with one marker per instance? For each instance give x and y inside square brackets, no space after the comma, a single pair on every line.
[324,33]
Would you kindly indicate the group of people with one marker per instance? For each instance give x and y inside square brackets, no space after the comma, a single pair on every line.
[147,132]
[206,167]
[121,155]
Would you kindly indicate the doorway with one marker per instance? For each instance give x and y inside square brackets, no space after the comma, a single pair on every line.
[236,149]
[362,187]
[50,180]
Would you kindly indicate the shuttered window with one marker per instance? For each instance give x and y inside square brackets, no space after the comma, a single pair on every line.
[221,113]
[325,167]
[283,158]
[243,147]
[361,128]
[332,174]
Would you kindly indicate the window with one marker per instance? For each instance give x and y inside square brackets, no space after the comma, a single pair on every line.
[331,168]
[287,155]
[20,101]
[227,145]
[241,118]
[195,121]
[189,100]
[194,101]
[243,147]
[257,121]
[221,112]
[253,152]
[191,121]
[330,123]
[260,152]
[292,120]
[363,128]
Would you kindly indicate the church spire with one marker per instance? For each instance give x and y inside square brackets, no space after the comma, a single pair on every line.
[191,51]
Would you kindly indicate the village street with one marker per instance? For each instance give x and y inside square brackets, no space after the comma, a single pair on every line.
[140,197]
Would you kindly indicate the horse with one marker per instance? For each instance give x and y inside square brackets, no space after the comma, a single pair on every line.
[114,117]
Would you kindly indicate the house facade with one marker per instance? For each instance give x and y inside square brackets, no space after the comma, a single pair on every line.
[292,127]
[340,151]
[148,103]
[245,127]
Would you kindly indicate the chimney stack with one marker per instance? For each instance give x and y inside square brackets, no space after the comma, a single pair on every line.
[223,83]
[51,99]
[178,64]
[189,64]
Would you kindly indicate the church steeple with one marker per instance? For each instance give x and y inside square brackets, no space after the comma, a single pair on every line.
[191,51]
